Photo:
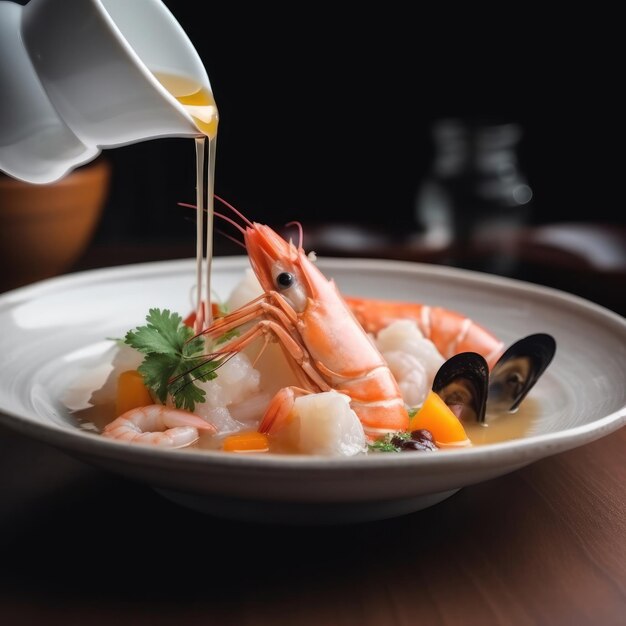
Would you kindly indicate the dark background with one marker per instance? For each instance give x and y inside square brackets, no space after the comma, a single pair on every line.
[328,118]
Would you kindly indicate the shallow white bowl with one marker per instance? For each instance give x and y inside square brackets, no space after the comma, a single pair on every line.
[57,329]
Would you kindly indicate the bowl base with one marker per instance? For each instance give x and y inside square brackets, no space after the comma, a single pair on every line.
[302,513]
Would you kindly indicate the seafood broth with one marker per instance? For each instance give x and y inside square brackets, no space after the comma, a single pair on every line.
[503,425]
[200,105]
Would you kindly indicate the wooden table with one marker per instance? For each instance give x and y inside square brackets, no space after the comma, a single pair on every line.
[543,545]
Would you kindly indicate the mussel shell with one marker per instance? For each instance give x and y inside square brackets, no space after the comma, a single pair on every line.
[518,369]
[462,383]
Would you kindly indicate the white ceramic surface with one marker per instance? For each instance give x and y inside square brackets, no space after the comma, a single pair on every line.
[56,331]
[76,77]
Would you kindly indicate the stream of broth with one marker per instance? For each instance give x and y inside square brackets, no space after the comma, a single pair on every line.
[200,105]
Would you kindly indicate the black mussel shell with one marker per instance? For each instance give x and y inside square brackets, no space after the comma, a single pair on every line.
[462,383]
[518,369]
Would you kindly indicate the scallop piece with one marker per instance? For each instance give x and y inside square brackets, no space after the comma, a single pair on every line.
[323,423]
[237,380]
[462,383]
[518,369]
[405,336]
[221,418]
[410,375]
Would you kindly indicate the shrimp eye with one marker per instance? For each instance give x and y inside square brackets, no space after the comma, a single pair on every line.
[285,279]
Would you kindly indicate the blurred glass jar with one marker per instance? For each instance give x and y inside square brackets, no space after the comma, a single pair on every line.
[475,194]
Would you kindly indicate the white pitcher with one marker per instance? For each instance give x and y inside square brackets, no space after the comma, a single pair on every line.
[77,76]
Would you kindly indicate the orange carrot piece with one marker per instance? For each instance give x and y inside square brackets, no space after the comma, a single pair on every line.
[436,416]
[190,320]
[247,441]
[131,392]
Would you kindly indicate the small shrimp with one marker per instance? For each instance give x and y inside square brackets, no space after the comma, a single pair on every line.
[159,425]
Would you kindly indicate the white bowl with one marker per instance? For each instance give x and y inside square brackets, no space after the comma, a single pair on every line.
[55,331]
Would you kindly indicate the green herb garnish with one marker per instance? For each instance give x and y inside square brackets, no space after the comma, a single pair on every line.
[227,336]
[174,358]
[389,443]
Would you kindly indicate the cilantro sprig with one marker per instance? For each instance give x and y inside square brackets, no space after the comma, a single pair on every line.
[174,358]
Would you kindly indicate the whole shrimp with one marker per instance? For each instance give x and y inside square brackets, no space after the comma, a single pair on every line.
[326,346]
[451,332]
[159,425]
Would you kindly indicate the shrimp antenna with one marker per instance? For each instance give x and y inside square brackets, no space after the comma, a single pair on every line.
[243,217]
[234,210]
[299,225]
[233,239]
[230,221]
[224,217]
[210,358]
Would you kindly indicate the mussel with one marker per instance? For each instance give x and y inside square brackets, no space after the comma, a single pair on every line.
[466,385]
[462,383]
[518,369]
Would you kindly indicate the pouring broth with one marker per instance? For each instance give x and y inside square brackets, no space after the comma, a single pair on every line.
[200,104]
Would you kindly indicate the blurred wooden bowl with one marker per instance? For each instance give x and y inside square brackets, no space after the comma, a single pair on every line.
[44,229]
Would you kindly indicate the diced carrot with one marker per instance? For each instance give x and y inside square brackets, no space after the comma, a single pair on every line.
[131,392]
[246,441]
[437,417]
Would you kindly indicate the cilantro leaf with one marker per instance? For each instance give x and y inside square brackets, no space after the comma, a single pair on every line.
[181,384]
[186,395]
[157,369]
[173,360]
[161,335]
